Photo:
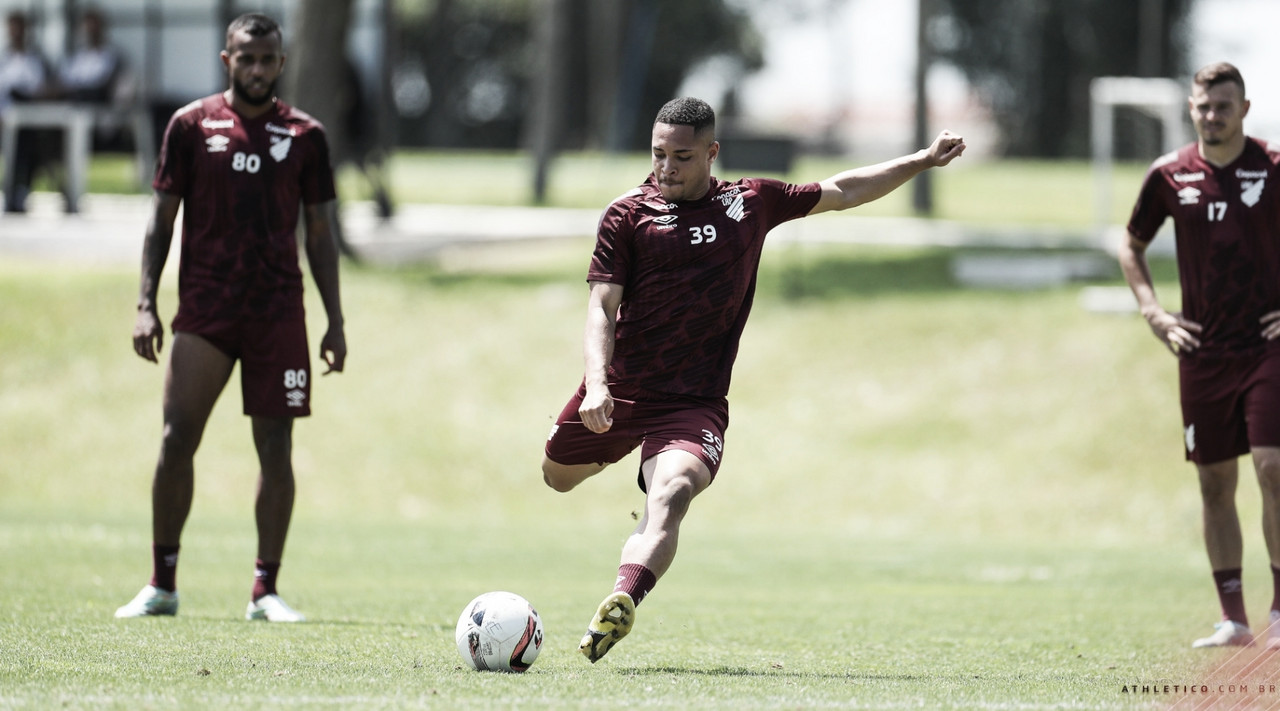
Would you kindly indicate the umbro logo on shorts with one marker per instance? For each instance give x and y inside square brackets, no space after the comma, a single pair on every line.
[296,398]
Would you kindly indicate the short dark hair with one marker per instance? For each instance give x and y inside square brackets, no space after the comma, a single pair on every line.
[1219,73]
[688,111]
[256,25]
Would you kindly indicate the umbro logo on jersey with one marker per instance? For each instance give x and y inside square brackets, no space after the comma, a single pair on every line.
[1189,196]
[666,219]
[217,143]
[280,148]
[216,124]
[1251,191]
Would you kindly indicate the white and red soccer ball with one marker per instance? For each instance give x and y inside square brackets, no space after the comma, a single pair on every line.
[499,631]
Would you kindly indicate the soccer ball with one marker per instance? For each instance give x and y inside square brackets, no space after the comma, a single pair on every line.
[499,631]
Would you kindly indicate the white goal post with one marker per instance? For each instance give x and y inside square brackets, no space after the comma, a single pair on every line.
[1164,99]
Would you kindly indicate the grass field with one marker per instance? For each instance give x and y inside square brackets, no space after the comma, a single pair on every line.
[932,498]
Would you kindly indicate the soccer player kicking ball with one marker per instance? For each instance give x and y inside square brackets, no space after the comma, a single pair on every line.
[242,162]
[1221,193]
[671,284]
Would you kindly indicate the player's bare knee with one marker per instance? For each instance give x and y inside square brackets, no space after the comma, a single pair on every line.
[674,494]
[1216,493]
[556,476]
[1269,479]
[178,443]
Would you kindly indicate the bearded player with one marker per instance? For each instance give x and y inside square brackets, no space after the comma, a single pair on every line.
[241,163]
[1221,194]
[671,284]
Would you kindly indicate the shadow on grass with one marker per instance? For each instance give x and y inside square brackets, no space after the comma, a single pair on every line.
[434,277]
[763,673]
[794,274]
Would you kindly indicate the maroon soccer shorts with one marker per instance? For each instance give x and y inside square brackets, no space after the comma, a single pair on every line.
[1230,404]
[652,421]
[275,366]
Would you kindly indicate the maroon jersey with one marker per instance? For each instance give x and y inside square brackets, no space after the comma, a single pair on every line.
[1227,227]
[688,272]
[241,182]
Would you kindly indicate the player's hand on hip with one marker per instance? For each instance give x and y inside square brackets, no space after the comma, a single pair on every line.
[148,335]
[1270,325]
[946,148]
[596,410]
[1175,332]
[333,350]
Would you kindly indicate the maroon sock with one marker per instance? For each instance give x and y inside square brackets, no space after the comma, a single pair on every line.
[1275,587]
[1231,595]
[264,578]
[164,567]
[635,580]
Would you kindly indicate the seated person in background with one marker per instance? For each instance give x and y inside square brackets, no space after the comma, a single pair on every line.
[22,77]
[91,72]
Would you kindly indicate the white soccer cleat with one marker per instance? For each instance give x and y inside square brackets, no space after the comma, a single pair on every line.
[1273,632]
[1227,633]
[612,622]
[272,609]
[150,601]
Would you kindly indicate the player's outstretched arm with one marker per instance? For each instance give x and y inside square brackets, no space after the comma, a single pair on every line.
[322,255]
[862,185]
[148,332]
[1175,332]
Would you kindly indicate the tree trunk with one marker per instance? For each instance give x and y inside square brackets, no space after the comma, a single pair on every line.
[318,77]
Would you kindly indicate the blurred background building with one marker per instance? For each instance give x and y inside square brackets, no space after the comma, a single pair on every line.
[857,77]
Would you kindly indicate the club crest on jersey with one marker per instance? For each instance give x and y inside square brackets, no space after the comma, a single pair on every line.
[217,143]
[280,148]
[1189,196]
[734,206]
[1251,191]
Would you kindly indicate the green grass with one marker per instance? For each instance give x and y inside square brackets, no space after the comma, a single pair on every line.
[1032,192]
[932,498]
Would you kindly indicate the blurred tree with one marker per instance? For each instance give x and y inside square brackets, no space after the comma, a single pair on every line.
[317,71]
[318,77]
[482,63]
[1032,60]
